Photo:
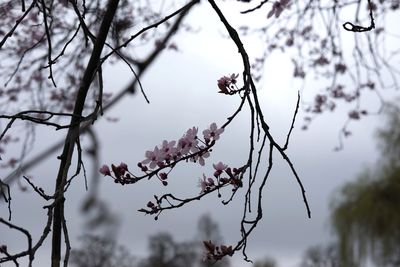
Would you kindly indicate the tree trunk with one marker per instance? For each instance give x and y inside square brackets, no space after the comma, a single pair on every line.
[73,131]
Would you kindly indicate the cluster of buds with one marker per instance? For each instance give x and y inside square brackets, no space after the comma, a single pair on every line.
[153,208]
[223,176]
[232,178]
[216,253]
[119,173]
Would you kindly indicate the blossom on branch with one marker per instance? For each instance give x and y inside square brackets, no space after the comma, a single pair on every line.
[212,133]
[189,148]
[168,150]
[219,168]
[152,157]
[201,156]
[105,170]
[188,143]
[227,84]
[216,253]
[119,173]
[205,184]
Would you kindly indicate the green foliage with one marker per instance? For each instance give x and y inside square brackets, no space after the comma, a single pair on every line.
[389,136]
[366,213]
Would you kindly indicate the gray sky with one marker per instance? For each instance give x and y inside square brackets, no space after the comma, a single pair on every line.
[182,90]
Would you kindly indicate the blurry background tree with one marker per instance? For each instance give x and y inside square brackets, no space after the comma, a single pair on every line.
[321,256]
[366,212]
[55,54]
[99,251]
[267,262]
[209,230]
[165,252]
[102,250]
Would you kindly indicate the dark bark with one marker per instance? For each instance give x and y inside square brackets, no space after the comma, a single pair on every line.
[73,132]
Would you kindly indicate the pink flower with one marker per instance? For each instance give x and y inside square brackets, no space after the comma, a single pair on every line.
[168,149]
[192,132]
[123,167]
[188,143]
[152,157]
[220,166]
[105,170]
[278,7]
[224,83]
[213,132]
[200,157]
[205,183]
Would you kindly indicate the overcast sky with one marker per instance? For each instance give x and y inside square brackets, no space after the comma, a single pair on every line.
[182,90]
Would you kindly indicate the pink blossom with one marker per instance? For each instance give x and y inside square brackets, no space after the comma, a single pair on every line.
[225,82]
[205,183]
[220,166]
[200,157]
[278,7]
[105,170]
[223,85]
[213,132]
[123,167]
[188,143]
[168,149]
[152,157]
[192,132]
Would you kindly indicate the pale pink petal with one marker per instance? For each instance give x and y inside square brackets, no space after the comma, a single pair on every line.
[105,170]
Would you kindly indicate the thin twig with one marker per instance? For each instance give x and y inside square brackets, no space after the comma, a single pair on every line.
[293,121]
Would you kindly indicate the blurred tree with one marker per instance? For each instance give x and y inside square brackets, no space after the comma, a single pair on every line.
[208,230]
[165,252]
[366,212]
[321,256]
[267,262]
[101,251]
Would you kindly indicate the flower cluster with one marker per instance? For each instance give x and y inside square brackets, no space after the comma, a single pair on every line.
[119,173]
[223,176]
[152,206]
[216,253]
[188,146]
[232,178]
[227,84]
